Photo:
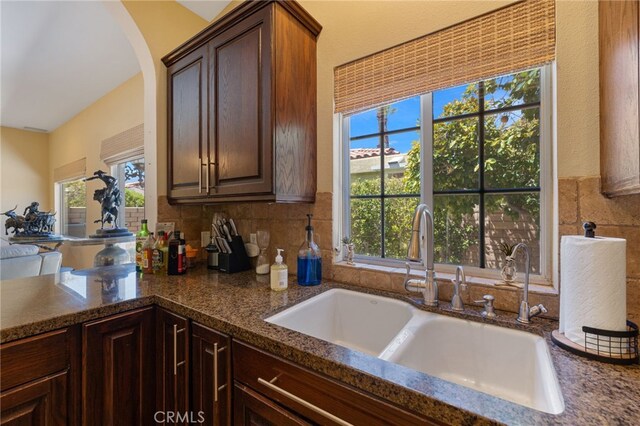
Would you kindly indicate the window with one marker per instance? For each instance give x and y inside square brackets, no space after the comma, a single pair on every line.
[73,202]
[471,152]
[130,175]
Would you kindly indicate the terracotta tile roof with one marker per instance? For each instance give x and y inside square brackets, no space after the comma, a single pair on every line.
[369,152]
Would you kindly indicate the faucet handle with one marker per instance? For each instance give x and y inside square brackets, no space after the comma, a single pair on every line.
[487,301]
[534,311]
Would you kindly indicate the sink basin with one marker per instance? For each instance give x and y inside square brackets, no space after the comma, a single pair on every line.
[502,362]
[506,363]
[359,321]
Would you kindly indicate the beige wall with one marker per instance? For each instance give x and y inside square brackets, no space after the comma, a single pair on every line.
[119,110]
[164,25]
[24,174]
[577,108]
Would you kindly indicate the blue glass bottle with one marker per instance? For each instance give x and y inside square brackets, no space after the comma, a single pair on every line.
[309,259]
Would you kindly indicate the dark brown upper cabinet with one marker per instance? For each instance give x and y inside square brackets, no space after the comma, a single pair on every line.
[619,97]
[242,108]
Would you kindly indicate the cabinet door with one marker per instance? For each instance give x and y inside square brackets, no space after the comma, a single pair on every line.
[252,409]
[211,375]
[240,107]
[619,97]
[41,402]
[172,370]
[118,369]
[187,135]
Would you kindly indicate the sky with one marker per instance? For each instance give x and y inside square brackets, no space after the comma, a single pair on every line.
[406,115]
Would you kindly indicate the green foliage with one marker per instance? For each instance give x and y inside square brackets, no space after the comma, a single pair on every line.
[511,160]
[76,193]
[133,198]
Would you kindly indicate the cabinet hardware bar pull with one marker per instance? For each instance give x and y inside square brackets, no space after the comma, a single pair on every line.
[302,402]
[200,178]
[206,175]
[211,163]
[215,372]
[175,349]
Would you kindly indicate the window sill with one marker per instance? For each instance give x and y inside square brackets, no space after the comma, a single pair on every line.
[537,284]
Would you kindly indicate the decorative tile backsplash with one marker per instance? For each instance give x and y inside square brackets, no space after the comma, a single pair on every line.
[579,200]
[285,222]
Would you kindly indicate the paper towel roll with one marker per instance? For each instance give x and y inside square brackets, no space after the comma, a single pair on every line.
[592,285]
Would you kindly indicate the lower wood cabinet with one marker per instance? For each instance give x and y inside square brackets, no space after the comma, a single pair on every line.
[118,372]
[308,395]
[40,376]
[150,366]
[172,364]
[211,375]
[250,408]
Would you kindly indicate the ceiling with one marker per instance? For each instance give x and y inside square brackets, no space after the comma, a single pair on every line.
[206,9]
[59,57]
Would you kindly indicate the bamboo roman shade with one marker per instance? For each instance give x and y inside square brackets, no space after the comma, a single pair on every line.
[124,146]
[510,39]
[74,170]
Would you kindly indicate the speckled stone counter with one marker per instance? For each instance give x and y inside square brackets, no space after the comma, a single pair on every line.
[594,393]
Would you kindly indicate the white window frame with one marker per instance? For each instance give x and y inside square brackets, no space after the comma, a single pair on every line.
[113,168]
[59,204]
[343,183]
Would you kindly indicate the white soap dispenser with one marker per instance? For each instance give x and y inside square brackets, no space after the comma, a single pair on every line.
[279,273]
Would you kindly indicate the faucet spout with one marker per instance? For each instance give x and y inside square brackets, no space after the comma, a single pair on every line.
[525,313]
[421,250]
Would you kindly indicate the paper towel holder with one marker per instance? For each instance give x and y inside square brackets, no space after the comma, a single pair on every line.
[600,344]
[589,229]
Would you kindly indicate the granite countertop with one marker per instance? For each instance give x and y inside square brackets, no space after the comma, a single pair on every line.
[594,392]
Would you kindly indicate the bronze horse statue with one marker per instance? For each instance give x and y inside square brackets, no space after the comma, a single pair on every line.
[108,205]
[15,221]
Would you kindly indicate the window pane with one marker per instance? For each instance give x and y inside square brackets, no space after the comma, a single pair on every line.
[74,203]
[402,164]
[402,115]
[512,219]
[398,213]
[455,154]
[364,166]
[455,101]
[512,149]
[364,123]
[366,226]
[133,178]
[514,89]
[456,229]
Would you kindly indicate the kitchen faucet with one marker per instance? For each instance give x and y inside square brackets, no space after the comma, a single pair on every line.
[525,313]
[421,250]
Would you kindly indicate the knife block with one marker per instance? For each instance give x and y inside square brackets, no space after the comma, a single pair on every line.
[237,261]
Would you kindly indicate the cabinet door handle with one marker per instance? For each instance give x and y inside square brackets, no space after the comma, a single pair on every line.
[200,177]
[214,164]
[302,402]
[175,349]
[206,176]
[215,372]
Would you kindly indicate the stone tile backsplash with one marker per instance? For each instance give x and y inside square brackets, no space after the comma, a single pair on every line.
[285,222]
[579,200]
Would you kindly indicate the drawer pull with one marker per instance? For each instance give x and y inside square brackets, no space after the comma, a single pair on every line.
[175,349]
[302,402]
[215,372]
